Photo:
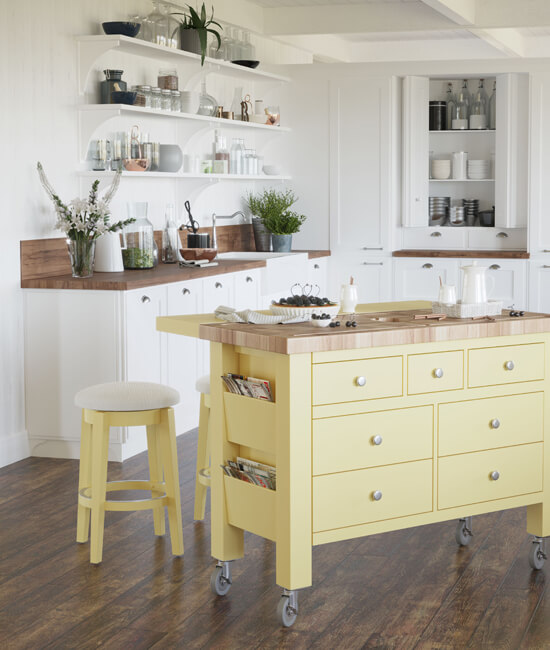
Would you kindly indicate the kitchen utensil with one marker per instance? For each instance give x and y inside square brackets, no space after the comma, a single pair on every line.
[246,109]
[474,284]
[273,115]
[487,218]
[121,27]
[191,225]
[198,240]
[108,253]
[193,254]
[246,63]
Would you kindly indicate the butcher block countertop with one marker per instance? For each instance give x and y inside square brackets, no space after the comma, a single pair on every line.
[373,330]
[502,254]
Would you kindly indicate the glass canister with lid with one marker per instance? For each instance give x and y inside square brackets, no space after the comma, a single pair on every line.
[145,91]
[138,239]
[176,101]
[166,100]
[156,101]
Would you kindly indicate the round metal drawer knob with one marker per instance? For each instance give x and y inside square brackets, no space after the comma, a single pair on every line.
[360,381]
[509,365]
[377,495]
[495,475]
[438,372]
[377,440]
[495,423]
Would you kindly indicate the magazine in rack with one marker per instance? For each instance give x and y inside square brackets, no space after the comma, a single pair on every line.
[248,386]
[252,472]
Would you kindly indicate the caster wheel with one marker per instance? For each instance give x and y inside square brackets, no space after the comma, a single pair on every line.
[537,556]
[463,535]
[219,584]
[285,613]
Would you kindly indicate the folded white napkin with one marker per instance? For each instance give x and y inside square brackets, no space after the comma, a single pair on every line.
[250,316]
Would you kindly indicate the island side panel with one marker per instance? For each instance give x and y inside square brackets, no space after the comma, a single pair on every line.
[227,541]
[294,496]
[538,515]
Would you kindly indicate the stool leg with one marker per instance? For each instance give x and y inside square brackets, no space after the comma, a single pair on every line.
[167,433]
[100,451]
[84,472]
[203,459]
[155,475]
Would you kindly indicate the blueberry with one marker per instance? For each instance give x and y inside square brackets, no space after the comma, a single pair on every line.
[513,313]
[354,323]
[332,325]
[348,323]
[337,324]
[522,313]
[282,301]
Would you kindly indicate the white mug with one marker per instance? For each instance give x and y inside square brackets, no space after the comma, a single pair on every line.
[447,294]
[348,298]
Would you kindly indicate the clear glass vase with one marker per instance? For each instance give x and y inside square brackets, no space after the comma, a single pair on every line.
[138,251]
[82,252]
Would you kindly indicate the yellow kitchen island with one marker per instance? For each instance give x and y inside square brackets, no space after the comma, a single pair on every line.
[399,422]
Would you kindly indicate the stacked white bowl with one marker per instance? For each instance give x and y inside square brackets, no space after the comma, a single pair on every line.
[441,169]
[190,101]
[479,169]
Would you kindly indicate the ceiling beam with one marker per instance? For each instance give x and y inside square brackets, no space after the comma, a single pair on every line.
[461,12]
[508,41]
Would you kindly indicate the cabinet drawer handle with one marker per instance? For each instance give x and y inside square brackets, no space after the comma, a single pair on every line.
[185,291]
[378,248]
[218,285]
[495,475]
[435,234]
[495,423]
[438,373]
[145,299]
[373,263]
[427,266]
[509,365]
[377,495]
[546,266]
[377,440]
[494,267]
[360,381]
[249,279]
[316,266]
[502,235]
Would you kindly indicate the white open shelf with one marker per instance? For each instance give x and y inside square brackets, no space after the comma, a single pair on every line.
[464,131]
[462,180]
[206,177]
[90,48]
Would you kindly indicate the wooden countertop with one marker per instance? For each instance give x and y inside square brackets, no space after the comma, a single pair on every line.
[508,254]
[137,279]
[396,328]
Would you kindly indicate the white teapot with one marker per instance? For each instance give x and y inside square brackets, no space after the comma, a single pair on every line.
[474,284]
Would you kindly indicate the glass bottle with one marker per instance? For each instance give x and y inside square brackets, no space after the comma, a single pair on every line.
[493,107]
[170,237]
[248,50]
[227,44]
[236,156]
[222,152]
[238,47]
[112,82]
[208,104]
[160,24]
[215,52]
[236,103]
[234,48]
[138,239]
[451,103]
[461,111]
[478,113]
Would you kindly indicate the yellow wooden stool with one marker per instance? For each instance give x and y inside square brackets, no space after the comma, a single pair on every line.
[202,471]
[128,404]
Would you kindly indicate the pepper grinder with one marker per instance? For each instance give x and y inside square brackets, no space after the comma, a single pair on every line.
[348,297]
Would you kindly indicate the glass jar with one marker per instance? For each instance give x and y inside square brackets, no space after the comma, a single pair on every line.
[248,50]
[493,107]
[156,102]
[159,22]
[208,104]
[140,97]
[176,100]
[167,79]
[138,239]
[236,156]
[166,100]
[215,52]
[112,82]
[146,92]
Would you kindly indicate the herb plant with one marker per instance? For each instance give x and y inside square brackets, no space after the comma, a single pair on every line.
[273,208]
[201,23]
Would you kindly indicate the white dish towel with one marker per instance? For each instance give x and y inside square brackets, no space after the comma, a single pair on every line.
[250,316]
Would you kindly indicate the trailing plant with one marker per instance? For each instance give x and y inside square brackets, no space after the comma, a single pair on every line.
[272,207]
[201,23]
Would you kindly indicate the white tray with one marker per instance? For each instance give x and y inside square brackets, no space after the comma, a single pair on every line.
[460,310]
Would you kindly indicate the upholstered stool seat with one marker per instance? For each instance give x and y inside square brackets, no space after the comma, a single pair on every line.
[203,385]
[202,471]
[127,404]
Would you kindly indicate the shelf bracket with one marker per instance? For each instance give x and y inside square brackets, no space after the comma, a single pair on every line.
[88,53]
[88,122]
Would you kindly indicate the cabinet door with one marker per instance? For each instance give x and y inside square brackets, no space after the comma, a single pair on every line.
[143,341]
[417,278]
[510,282]
[361,174]
[246,287]
[216,291]
[539,287]
[372,275]
[318,273]
[183,352]
[511,151]
[539,164]
[416,93]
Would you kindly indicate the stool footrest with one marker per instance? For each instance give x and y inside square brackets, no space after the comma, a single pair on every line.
[203,476]
[85,499]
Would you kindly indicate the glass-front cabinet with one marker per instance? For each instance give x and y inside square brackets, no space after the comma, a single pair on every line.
[465,151]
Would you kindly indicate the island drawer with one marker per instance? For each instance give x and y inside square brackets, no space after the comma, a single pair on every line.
[350,498]
[371,439]
[490,423]
[505,365]
[349,381]
[469,478]
[435,371]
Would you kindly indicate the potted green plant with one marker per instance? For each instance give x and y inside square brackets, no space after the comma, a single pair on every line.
[194,29]
[271,209]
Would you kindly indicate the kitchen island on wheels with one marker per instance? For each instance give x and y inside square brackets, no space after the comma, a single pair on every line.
[398,422]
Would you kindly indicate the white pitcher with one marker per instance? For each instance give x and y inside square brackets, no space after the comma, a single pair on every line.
[108,253]
[474,284]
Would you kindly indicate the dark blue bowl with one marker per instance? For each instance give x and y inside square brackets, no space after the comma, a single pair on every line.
[120,27]
[123,97]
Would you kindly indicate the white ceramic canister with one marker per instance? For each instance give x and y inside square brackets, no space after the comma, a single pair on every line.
[348,298]
[460,160]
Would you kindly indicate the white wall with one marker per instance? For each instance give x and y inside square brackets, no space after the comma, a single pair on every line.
[38,65]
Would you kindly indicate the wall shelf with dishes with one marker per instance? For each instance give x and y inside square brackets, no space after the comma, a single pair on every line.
[208,177]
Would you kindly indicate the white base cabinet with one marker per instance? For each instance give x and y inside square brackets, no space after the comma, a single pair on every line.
[371,274]
[539,286]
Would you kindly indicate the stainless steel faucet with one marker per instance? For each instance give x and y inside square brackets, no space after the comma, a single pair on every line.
[220,216]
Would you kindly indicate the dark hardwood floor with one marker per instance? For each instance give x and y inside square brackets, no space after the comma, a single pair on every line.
[408,589]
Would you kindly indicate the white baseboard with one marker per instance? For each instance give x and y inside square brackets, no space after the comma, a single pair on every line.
[45,447]
[13,448]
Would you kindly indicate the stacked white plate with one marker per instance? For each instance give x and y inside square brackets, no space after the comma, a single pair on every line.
[441,169]
[479,169]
